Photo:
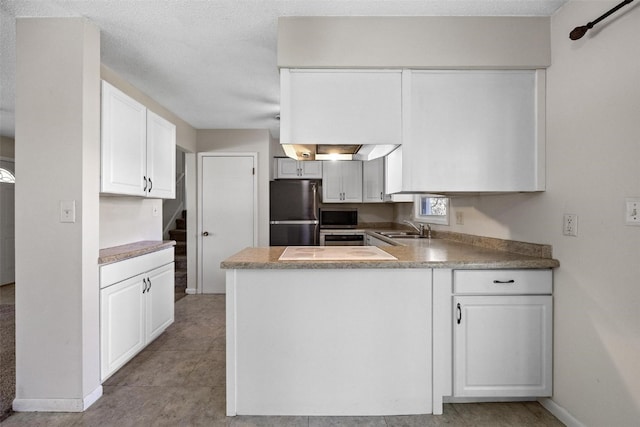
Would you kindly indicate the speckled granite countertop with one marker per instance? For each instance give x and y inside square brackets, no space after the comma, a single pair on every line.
[122,252]
[418,253]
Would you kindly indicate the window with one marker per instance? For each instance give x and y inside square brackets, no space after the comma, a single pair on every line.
[7,177]
[432,209]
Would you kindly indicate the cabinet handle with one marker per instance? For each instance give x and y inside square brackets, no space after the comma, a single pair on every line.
[145,184]
[205,233]
[459,314]
[149,282]
[150,185]
[145,285]
[381,196]
[504,282]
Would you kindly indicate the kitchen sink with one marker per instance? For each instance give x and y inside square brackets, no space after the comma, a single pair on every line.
[402,235]
[406,236]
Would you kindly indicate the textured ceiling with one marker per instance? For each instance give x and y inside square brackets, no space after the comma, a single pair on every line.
[213,62]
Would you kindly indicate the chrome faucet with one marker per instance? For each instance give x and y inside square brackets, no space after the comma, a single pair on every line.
[420,228]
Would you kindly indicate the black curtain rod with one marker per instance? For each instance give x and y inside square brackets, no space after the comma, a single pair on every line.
[578,32]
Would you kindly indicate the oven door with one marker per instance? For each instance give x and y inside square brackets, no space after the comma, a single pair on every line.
[344,240]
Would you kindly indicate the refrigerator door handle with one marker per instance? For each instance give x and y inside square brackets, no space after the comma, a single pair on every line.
[314,189]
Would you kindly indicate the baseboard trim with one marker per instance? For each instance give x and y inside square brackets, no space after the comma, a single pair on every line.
[92,397]
[475,399]
[560,413]
[191,291]
[57,405]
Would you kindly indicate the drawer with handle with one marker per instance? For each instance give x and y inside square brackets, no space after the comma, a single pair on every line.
[502,282]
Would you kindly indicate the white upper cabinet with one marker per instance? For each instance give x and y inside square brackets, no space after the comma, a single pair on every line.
[342,182]
[373,181]
[161,157]
[287,168]
[123,143]
[340,106]
[473,131]
[137,148]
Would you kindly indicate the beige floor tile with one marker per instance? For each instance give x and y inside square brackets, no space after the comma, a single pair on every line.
[126,407]
[191,406]
[210,370]
[42,419]
[246,421]
[450,417]
[499,414]
[347,422]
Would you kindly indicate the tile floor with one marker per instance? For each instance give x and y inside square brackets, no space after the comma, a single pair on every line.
[179,380]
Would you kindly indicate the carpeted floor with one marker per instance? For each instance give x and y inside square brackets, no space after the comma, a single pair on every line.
[7,349]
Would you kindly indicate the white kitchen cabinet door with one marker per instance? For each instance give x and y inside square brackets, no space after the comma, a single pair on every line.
[311,169]
[287,168]
[473,131]
[122,323]
[123,143]
[352,181]
[503,346]
[161,157]
[342,181]
[331,182]
[159,301]
[393,177]
[373,181]
[340,106]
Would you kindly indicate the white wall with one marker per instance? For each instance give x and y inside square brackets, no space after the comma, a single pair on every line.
[245,140]
[129,219]
[57,123]
[593,163]
[413,41]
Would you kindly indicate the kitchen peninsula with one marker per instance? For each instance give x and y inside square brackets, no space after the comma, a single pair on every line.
[371,335]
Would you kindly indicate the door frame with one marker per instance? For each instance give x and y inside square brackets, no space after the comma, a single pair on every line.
[201,156]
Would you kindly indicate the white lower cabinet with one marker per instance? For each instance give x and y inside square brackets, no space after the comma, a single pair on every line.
[134,310]
[502,340]
[159,301]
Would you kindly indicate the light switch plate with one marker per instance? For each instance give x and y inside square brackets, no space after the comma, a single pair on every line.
[632,211]
[67,211]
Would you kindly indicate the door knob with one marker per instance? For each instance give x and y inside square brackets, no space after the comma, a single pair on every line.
[205,233]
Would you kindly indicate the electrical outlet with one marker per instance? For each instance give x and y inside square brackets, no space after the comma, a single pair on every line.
[460,218]
[632,216]
[570,225]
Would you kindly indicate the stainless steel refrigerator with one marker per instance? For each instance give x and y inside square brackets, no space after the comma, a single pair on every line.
[293,213]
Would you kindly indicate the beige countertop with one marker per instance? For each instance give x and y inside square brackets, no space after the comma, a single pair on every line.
[122,252]
[414,253]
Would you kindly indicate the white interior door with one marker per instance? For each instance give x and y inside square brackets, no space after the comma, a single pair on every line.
[227,215]
[7,226]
